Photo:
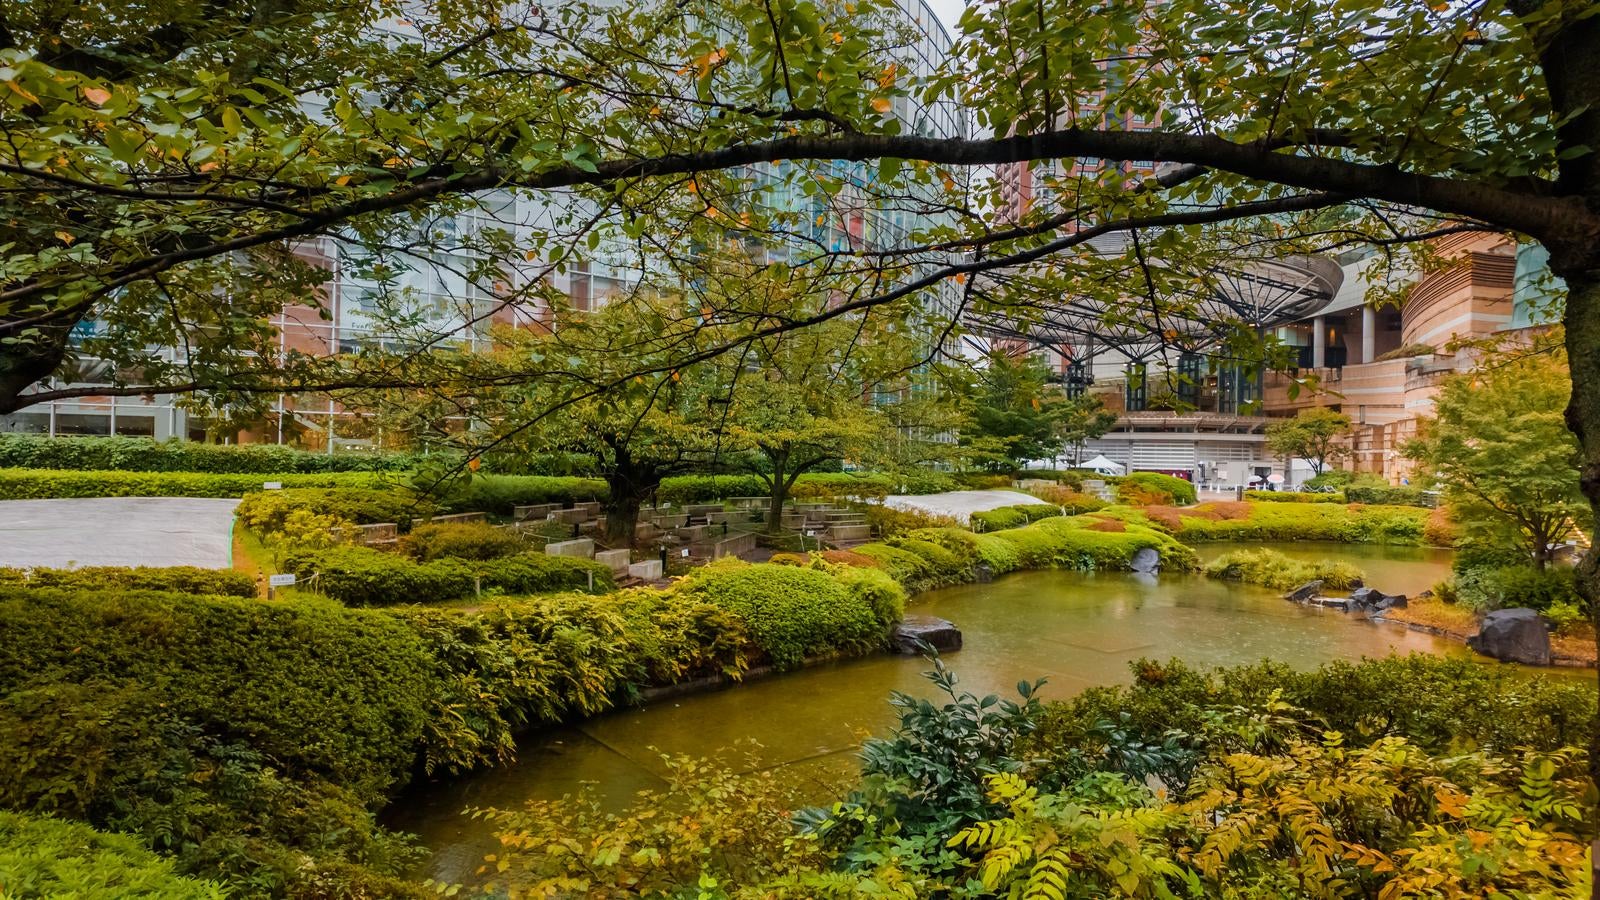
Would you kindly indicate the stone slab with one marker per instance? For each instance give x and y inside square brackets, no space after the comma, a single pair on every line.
[916,630]
[850,532]
[958,505]
[534,511]
[582,548]
[733,546]
[617,560]
[648,570]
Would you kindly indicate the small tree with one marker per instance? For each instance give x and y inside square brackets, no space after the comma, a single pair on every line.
[1500,449]
[1312,435]
[1013,413]
[1080,420]
[799,404]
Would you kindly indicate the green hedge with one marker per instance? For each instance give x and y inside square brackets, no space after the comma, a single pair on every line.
[462,540]
[46,857]
[934,557]
[49,484]
[1173,490]
[30,451]
[183,579]
[1485,588]
[1386,495]
[360,576]
[792,612]
[1293,497]
[266,511]
[1017,516]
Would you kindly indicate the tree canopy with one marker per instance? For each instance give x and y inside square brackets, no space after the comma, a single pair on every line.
[1499,448]
[1312,435]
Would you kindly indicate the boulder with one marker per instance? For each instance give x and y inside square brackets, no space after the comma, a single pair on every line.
[647,570]
[1390,601]
[1376,600]
[913,631]
[1148,559]
[1304,592]
[1513,635]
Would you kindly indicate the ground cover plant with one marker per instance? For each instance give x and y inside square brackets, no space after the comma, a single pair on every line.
[1272,569]
[361,576]
[46,857]
[1355,780]
[181,579]
[1237,521]
[1003,517]
[1152,488]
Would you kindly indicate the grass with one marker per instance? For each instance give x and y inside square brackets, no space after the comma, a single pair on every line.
[1576,644]
[1244,521]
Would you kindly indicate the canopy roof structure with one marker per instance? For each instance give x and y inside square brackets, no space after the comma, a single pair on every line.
[1257,294]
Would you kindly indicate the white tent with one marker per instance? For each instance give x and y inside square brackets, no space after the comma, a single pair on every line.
[1103,465]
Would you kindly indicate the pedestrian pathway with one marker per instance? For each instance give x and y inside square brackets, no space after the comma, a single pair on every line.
[117,531]
[958,505]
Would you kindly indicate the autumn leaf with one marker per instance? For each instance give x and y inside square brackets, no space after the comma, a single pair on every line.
[881,104]
[97,96]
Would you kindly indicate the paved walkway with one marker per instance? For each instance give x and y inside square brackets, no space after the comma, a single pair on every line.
[958,504]
[117,531]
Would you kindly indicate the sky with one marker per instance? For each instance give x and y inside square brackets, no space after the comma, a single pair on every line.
[949,12]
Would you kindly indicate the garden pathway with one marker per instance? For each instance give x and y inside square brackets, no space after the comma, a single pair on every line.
[958,505]
[117,531]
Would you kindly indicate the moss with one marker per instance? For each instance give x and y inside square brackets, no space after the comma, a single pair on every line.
[1272,569]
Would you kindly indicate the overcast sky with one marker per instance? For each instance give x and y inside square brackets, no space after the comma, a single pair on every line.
[949,12]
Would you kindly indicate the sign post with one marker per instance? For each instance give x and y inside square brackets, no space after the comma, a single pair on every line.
[277,581]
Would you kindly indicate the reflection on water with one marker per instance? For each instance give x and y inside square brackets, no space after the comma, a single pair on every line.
[1077,629]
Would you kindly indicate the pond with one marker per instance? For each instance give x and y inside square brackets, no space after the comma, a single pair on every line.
[1076,629]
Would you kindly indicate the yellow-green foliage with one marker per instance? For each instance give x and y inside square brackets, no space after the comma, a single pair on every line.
[1269,568]
[933,557]
[791,612]
[1231,521]
[45,857]
[183,579]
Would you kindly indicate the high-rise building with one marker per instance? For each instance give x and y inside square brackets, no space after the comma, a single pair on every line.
[455,296]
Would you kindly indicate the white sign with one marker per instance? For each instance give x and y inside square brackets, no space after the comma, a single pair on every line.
[281,580]
[1275,478]
[686,551]
[272,485]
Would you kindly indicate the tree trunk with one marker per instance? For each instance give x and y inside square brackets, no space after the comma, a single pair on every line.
[622,511]
[780,492]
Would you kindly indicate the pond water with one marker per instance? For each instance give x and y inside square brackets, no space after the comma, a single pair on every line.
[1076,629]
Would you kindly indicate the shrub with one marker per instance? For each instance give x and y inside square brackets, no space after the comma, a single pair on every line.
[998,519]
[1144,488]
[47,484]
[1484,589]
[1072,499]
[1272,569]
[46,857]
[361,576]
[28,451]
[1371,489]
[983,481]
[910,570]
[1332,479]
[1292,497]
[792,613]
[500,494]
[182,579]
[461,540]
[267,512]
[873,586]
[1285,522]
[887,521]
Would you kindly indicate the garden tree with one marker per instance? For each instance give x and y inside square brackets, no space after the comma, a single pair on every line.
[1014,412]
[1498,446]
[156,154]
[1312,435]
[632,436]
[1079,420]
[803,400]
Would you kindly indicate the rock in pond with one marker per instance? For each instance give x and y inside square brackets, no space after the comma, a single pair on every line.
[1147,559]
[913,631]
[1304,592]
[1513,635]
[1376,600]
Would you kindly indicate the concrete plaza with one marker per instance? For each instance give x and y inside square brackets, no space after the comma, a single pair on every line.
[117,531]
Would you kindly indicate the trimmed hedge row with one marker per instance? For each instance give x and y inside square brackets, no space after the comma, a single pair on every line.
[361,576]
[1272,569]
[135,454]
[1386,495]
[1293,497]
[935,557]
[484,493]
[182,579]
[1004,517]
[51,484]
